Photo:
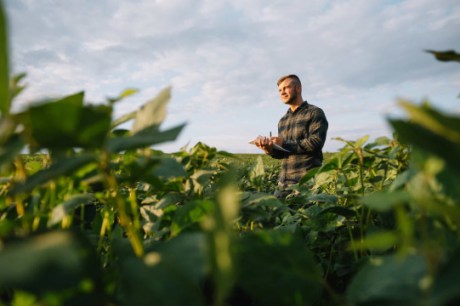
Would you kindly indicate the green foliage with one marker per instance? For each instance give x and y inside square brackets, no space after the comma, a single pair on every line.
[97,217]
[86,126]
[276,268]
[445,56]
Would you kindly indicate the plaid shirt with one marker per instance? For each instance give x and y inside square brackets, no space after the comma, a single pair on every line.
[304,133]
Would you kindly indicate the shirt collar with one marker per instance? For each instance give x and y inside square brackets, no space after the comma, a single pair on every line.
[301,106]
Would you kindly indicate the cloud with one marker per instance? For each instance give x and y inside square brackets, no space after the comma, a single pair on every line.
[223,57]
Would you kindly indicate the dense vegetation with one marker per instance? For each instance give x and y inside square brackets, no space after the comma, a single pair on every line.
[95,216]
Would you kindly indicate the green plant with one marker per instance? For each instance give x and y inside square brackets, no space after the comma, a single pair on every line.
[95,216]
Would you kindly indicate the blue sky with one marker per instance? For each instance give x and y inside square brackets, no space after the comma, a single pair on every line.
[355,58]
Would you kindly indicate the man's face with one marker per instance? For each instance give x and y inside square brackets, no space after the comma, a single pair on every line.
[288,91]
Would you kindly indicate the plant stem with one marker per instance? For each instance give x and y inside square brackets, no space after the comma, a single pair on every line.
[119,203]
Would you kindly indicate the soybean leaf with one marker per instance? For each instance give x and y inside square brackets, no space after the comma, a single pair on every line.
[138,170]
[445,288]
[428,141]
[339,210]
[310,174]
[380,141]
[276,268]
[331,164]
[190,214]
[153,112]
[123,119]
[381,241]
[361,141]
[260,199]
[50,261]
[15,87]
[144,138]
[68,207]
[324,198]
[354,144]
[445,56]
[5,100]
[257,170]
[260,207]
[385,201]
[402,179]
[441,124]
[169,168]
[168,274]
[61,167]
[68,123]
[389,280]
[126,93]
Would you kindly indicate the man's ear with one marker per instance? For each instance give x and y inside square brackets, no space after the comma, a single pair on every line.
[298,88]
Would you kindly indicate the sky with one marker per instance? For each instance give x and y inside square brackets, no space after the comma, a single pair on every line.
[222,58]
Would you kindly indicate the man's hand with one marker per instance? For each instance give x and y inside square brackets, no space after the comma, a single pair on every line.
[277,140]
[264,143]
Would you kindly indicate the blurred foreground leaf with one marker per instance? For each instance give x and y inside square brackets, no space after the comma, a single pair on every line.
[153,112]
[168,274]
[445,56]
[143,139]
[389,280]
[68,124]
[276,268]
[52,261]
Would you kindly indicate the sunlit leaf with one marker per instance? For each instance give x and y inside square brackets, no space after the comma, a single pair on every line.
[255,199]
[258,169]
[123,119]
[361,141]
[153,112]
[381,241]
[68,207]
[126,93]
[22,298]
[354,144]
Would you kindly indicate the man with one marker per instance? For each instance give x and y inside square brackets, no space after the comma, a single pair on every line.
[301,131]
